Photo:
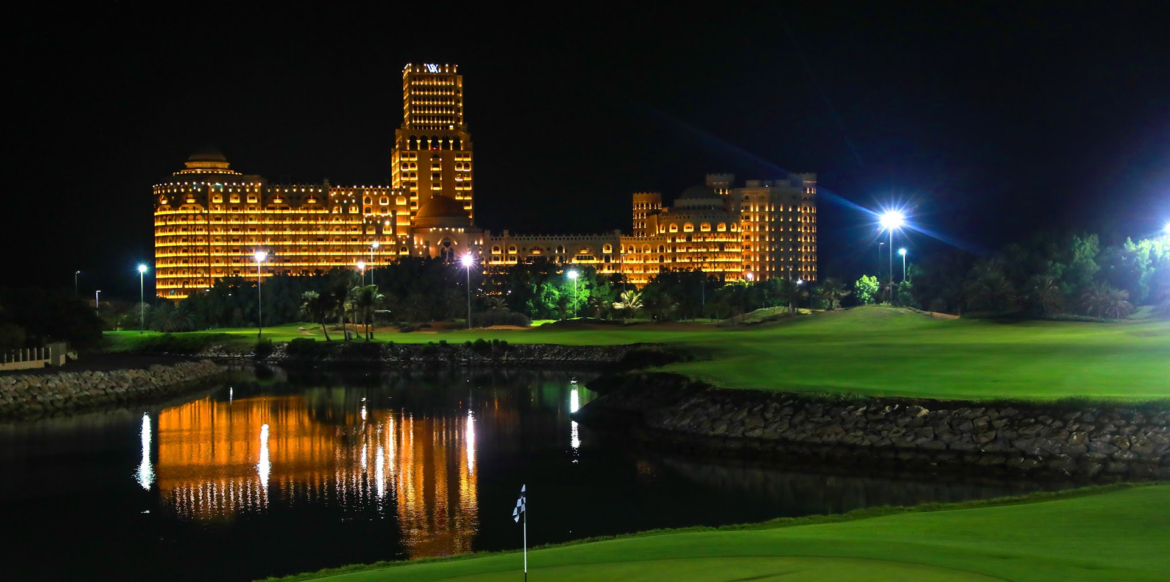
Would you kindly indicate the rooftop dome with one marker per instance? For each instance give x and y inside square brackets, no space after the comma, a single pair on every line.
[207,154]
[442,212]
[699,197]
[698,192]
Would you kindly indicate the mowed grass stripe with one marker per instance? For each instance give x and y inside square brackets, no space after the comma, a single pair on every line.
[1108,536]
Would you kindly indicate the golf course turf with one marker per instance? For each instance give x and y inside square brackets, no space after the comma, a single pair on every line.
[875,351]
[1108,534]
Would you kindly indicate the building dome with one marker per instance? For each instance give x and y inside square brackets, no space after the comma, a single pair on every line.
[699,192]
[699,197]
[442,212]
[207,154]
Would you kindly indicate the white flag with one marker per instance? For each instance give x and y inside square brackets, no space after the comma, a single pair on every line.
[519,505]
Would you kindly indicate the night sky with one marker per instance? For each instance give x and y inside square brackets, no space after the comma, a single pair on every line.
[992,120]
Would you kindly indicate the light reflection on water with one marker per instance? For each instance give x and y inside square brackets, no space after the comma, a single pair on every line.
[211,465]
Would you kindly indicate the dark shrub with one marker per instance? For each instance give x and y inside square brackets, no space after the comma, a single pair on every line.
[490,318]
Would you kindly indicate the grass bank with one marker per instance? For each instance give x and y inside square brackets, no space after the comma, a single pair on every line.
[868,351]
[1103,534]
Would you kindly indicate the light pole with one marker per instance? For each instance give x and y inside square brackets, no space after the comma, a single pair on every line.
[879,260]
[361,265]
[141,298]
[468,260]
[573,276]
[903,253]
[260,256]
[75,292]
[97,301]
[373,248]
[891,220]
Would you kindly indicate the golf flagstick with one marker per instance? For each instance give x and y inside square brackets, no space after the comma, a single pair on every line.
[522,508]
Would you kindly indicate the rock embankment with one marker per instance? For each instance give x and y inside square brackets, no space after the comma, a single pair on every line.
[1084,441]
[469,354]
[34,395]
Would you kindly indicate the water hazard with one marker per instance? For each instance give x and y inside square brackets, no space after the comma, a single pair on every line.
[279,472]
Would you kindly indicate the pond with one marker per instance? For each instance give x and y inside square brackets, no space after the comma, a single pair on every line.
[279,471]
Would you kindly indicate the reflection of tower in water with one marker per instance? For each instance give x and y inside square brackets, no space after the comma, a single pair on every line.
[218,459]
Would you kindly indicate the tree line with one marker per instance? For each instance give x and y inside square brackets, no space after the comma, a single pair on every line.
[1048,275]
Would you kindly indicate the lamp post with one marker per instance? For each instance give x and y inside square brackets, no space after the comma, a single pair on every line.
[361,265]
[75,292]
[751,277]
[879,260]
[903,253]
[97,301]
[891,220]
[260,256]
[468,260]
[573,276]
[373,248]
[141,298]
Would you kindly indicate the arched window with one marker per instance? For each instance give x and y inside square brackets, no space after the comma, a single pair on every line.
[401,200]
[512,250]
[495,250]
[447,251]
[384,201]
[674,228]
[705,227]
[722,227]
[688,227]
[367,200]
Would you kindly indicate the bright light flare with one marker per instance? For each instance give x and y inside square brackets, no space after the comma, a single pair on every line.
[361,265]
[260,256]
[751,276]
[141,268]
[572,274]
[467,260]
[902,252]
[377,244]
[892,219]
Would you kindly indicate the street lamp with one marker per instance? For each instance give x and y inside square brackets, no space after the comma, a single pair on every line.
[373,248]
[903,253]
[361,265]
[141,298]
[97,301]
[891,220]
[260,256]
[75,274]
[468,260]
[751,277]
[573,276]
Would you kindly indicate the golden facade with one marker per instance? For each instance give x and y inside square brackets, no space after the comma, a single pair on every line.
[211,219]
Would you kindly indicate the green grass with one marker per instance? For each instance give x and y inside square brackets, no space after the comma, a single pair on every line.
[869,351]
[1108,534]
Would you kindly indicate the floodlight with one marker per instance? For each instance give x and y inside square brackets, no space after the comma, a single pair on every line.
[377,244]
[902,252]
[260,256]
[141,268]
[467,260]
[573,275]
[361,265]
[892,219]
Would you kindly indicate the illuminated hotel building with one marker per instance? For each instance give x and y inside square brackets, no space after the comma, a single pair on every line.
[210,219]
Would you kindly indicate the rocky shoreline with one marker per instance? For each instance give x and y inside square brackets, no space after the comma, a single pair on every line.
[1084,441]
[24,396]
[444,354]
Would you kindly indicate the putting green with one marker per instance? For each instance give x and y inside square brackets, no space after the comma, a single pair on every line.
[745,569]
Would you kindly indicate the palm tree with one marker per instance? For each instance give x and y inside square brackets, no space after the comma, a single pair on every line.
[318,307]
[363,302]
[629,303]
[831,291]
[989,289]
[1101,300]
[790,293]
[1045,293]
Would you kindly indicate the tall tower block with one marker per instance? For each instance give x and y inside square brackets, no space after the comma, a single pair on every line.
[432,149]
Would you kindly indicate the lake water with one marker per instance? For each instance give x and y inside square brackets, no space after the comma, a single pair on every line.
[279,472]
